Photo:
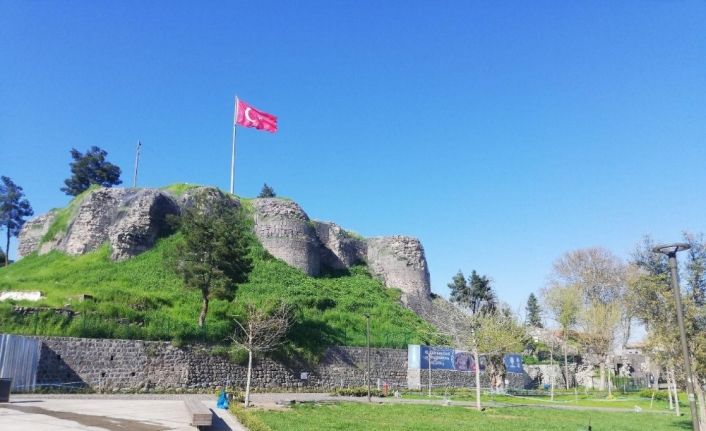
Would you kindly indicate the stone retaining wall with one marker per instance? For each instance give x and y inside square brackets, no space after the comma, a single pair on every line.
[419,379]
[145,366]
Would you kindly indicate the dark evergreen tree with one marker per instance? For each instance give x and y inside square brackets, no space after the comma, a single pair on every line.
[267,192]
[14,208]
[88,169]
[482,297]
[460,293]
[212,254]
[534,312]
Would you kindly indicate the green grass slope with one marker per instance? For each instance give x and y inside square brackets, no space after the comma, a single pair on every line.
[142,298]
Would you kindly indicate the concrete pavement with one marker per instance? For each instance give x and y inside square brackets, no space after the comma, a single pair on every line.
[105,413]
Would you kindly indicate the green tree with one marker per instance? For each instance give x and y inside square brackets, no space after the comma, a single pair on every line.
[563,304]
[599,277]
[496,334]
[14,208]
[482,299]
[492,332]
[460,292]
[534,312]
[212,254]
[88,169]
[647,260]
[651,298]
[267,192]
[696,267]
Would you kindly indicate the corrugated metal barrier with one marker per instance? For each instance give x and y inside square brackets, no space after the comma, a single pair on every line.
[19,358]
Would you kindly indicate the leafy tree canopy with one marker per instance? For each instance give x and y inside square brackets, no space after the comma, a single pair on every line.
[212,255]
[14,209]
[88,169]
[651,299]
[475,294]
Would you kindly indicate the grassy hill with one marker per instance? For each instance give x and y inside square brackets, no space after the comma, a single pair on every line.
[141,298]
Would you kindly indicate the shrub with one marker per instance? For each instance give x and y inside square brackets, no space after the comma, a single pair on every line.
[659,395]
[530,360]
[361,391]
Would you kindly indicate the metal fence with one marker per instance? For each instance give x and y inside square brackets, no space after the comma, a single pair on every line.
[19,358]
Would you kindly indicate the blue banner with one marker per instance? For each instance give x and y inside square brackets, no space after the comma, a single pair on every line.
[442,358]
[513,363]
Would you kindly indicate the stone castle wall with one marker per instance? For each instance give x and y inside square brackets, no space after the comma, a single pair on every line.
[399,261]
[286,232]
[133,365]
[131,220]
[108,365]
[420,379]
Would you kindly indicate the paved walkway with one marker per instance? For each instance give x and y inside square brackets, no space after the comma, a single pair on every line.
[274,400]
[107,413]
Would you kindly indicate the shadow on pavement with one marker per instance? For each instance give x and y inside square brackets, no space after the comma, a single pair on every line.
[218,424]
[108,423]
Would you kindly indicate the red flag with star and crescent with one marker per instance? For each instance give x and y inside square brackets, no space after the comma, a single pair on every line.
[247,116]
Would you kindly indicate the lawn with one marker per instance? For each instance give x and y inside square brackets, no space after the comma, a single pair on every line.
[361,416]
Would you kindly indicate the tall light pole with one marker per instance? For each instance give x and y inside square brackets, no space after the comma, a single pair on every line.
[137,164]
[671,251]
[367,354]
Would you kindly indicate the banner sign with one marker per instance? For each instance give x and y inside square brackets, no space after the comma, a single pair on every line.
[513,363]
[442,358]
[447,358]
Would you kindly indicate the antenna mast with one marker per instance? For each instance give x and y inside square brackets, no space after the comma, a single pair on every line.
[137,163]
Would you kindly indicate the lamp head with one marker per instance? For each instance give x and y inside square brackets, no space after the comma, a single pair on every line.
[671,248]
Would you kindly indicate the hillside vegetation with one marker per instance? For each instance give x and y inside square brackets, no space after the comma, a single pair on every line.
[142,298]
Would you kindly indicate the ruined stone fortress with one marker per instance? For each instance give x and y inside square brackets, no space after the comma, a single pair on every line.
[131,220]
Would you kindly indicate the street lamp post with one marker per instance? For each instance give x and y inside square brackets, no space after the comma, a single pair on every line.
[367,354]
[671,251]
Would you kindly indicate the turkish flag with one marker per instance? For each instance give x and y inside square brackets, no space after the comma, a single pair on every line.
[247,116]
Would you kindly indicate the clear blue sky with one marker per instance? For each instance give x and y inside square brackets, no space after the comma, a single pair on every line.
[502,134]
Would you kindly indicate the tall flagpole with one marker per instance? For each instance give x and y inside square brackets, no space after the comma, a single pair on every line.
[137,163]
[232,156]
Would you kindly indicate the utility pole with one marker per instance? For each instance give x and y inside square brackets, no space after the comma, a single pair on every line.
[671,252]
[137,163]
[551,366]
[367,355]
[429,366]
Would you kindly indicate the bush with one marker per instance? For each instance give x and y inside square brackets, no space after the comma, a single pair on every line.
[529,360]
[233,354]
[358,392]
[659,395]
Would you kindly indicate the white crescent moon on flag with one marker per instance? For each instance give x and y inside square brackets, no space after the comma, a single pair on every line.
[247,116]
